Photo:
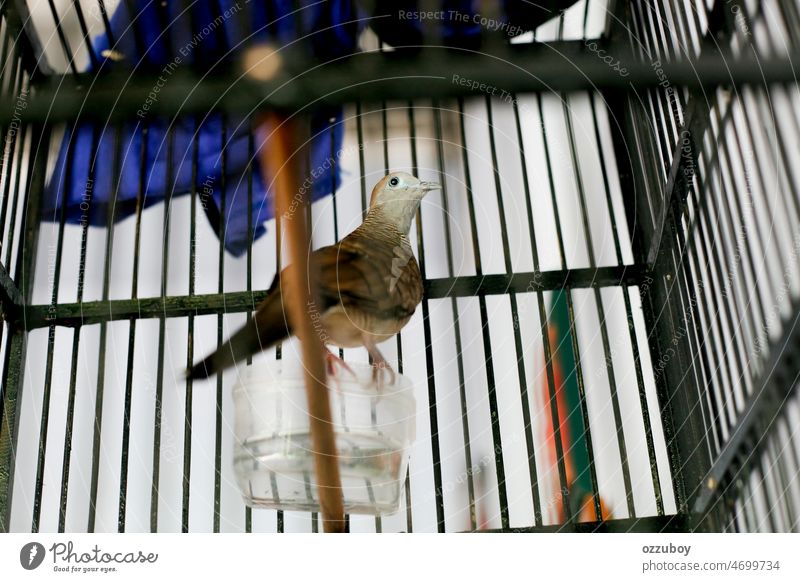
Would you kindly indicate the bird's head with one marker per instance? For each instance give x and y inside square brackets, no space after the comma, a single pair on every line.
[397,197]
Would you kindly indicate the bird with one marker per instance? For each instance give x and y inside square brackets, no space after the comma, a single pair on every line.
[369,286]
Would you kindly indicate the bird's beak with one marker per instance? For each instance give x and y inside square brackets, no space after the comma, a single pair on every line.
[428,186]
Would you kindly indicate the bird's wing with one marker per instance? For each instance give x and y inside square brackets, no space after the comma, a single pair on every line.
[373,278]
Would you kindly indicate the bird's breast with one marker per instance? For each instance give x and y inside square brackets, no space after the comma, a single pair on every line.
[347,328]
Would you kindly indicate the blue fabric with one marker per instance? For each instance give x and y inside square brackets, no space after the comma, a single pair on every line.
[146,169]
[85,178]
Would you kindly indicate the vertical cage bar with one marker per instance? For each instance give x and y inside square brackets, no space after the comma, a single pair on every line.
[76,337]
[220,321]
[9,242]
[437,111]
[248,511]
[545,328]
[648,430]
[487,341]
[526,415]
[128,402]
[188,399]
[426,328]
[101,364]
[14,143]
[16,338]
[51,337]
[162,331]
[636,188]
[62,38]
[87,38]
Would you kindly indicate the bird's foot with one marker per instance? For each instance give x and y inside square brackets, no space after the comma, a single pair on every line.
[334,362]
[382,375]
[381,370]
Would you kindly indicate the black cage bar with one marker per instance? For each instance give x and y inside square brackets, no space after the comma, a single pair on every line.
[634,163]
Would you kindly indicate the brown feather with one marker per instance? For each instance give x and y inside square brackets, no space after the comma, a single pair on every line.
[369,287]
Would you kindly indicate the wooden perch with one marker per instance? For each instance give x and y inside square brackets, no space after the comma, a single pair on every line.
[282,159]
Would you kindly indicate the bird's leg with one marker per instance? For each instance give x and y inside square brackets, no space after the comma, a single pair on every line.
[334,362]
[379,363]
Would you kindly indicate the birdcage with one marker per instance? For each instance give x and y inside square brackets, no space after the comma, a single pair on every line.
[608,337]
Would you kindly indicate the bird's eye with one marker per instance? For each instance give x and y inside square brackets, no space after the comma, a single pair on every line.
[394,181]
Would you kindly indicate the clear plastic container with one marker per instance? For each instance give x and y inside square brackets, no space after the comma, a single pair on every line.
[374,428]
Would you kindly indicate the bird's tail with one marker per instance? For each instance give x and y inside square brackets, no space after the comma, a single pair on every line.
[268,326]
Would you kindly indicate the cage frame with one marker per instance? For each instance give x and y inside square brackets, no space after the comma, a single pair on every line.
[697,477]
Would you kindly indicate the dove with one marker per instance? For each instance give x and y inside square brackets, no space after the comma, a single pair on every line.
[369,286]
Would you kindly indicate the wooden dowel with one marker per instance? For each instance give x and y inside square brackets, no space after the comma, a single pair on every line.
[281,158]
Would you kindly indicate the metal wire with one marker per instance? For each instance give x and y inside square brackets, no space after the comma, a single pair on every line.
[710,359]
